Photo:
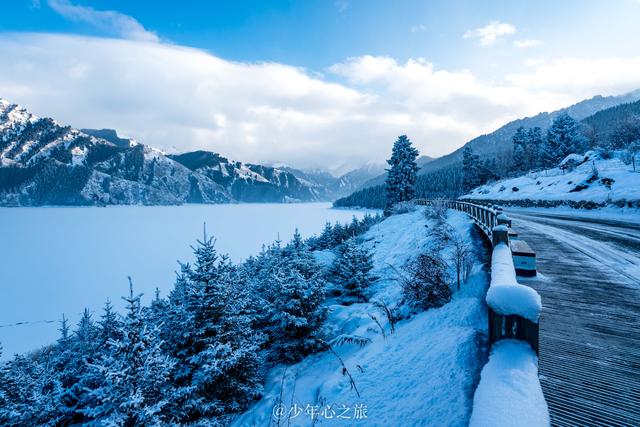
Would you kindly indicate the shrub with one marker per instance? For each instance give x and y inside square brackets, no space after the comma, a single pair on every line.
[426,285]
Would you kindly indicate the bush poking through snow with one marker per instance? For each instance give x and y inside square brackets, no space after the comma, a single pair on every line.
[377,322]
[403,207]
[344,339]
[427,285]
[392,317]
[437,211]
[461,258]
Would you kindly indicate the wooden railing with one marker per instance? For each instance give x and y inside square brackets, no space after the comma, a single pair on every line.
[497,228]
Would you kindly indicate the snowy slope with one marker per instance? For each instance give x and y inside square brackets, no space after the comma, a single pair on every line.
[423,374]
[615,181]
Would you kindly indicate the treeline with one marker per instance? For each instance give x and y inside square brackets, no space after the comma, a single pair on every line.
[196,357]
[444,183]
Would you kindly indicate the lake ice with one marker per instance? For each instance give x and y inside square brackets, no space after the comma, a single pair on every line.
[58,260]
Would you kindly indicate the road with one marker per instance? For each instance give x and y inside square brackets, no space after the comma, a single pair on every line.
[589,280]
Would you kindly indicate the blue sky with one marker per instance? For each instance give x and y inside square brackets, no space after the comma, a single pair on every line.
[362,71]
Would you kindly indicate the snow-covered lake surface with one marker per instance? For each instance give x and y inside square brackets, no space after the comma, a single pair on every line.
[60,260]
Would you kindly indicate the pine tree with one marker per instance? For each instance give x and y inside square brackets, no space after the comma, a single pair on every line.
[402,173]
[520,142]
[535,141]
[325,240]
[218,364]
[109,326]
[470,162]
[353,272]
[296,313]
[134,372]
[64,332]
[563,138]
[86,334]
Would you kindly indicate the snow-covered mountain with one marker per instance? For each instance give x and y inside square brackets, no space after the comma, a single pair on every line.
[332,187]
[250,182]
[45,163]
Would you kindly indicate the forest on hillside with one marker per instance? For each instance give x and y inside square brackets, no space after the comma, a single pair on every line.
[531,149]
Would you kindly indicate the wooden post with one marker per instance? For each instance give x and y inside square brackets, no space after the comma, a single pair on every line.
[513,327]
[500,234]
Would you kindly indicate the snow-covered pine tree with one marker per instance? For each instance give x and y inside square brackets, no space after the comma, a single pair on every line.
[520,142]
[402,173]
[325,240]
[296,313]
[535,139]
[109,326]
[564,137]
[218,369]
[470,162]
[135,373]
[22,398]
[352,271]
[86,335]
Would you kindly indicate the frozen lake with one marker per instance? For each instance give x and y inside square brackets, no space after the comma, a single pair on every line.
[60,260]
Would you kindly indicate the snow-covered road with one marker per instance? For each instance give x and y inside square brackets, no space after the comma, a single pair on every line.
[589,280]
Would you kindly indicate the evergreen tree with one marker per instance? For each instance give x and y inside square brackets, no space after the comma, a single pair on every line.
[86,334]
[535,140]
[134,373]
[353,272]
[402,173]
[325,240]
[297,313]
[470,162]
[218,364]
[563,138]
[109,326]
[520,144]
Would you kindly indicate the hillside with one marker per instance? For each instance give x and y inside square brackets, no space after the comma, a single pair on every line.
[408,361]
[584,178]
[498,143]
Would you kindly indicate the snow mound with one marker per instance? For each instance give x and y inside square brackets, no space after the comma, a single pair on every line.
[509,393]
[505,295]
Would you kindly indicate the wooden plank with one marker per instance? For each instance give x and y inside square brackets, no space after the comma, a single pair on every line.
[589,334]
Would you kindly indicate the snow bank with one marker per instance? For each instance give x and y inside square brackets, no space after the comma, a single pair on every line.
[505,295]
[509,393]
[615,181]
[423,374]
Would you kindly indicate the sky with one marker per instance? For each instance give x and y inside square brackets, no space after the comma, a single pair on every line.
[312,83]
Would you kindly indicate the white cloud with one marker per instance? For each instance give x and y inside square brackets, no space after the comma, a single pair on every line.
[180,99]
[580,77]
[490,33]
[418,28]
[526,43]
[111,22]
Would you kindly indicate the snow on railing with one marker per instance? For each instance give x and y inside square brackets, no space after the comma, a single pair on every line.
[509,393]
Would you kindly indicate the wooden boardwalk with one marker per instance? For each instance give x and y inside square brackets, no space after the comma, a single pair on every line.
[590,325]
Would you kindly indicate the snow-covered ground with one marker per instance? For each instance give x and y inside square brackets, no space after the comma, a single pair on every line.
[424,374]
[55,260]
[615,181]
